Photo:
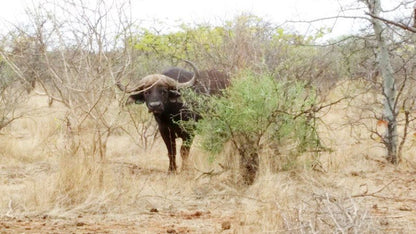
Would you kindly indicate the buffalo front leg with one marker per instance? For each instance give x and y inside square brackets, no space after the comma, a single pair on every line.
[185,149]
[185,155]
[169,139]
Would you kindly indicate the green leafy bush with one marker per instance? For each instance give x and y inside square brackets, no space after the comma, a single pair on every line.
[255,113]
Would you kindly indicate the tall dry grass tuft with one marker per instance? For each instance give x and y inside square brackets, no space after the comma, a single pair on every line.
[77,178]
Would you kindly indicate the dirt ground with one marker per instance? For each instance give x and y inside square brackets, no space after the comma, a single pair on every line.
[154,222]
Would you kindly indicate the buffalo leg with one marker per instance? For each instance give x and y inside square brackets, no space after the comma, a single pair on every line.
[185,154]
[185,148]
[169,139]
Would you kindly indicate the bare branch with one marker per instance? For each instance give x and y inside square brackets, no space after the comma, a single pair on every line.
[400,25]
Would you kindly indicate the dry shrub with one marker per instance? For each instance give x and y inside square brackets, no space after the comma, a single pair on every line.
[292,203]
[140,126]
[257,113]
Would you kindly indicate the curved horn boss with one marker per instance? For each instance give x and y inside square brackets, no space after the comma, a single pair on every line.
[151,80]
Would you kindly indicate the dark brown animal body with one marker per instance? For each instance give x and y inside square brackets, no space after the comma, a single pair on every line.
[161,93]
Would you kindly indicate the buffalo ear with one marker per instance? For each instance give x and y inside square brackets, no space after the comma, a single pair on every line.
[139,101]
[136,99]
[174,95]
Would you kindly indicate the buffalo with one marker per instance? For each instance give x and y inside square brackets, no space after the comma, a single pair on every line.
[162,95]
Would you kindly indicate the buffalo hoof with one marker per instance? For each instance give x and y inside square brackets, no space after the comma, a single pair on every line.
[185,166]
[172,172]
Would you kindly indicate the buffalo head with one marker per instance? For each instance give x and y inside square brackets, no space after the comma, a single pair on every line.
[157,90]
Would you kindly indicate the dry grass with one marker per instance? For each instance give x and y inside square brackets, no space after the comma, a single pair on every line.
[47,186]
